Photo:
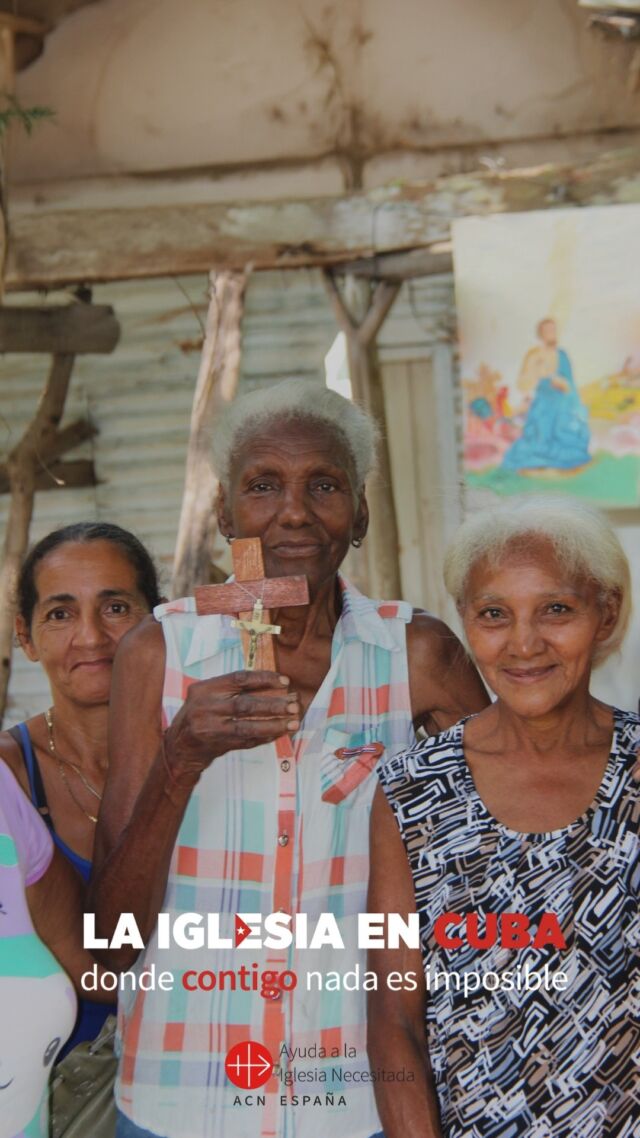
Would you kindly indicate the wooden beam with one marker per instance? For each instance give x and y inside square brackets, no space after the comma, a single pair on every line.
[72,329]
[55,247]
[216,386]
[360,316]
[7,83]
[79,431]
[402,266]
[51,473]
[618,25]
[23,464]
[58,475]
[23,25]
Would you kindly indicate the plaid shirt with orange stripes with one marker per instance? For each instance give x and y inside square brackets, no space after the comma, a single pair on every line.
[280,827]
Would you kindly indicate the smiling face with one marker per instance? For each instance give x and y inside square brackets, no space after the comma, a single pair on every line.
[293,486]
[88,598]
[532,630]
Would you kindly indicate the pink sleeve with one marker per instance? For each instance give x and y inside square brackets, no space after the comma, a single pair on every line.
[32,838]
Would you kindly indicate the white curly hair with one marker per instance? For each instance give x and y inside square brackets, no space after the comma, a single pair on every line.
[582,539]
[295,401]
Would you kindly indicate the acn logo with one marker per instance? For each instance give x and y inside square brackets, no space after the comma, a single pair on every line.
[248,1065]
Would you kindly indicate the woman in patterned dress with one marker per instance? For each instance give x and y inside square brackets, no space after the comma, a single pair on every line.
[515,836]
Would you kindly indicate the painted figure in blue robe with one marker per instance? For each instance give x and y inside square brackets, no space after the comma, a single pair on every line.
[556,429]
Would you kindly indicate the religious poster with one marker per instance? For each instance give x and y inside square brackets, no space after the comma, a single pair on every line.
[549,321]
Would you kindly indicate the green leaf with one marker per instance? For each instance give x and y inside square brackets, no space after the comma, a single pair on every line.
[28,117]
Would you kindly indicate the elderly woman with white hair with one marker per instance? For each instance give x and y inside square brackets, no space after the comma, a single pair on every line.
[256,797]
[514,834]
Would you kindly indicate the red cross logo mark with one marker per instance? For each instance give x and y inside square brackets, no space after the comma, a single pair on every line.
[248,1065]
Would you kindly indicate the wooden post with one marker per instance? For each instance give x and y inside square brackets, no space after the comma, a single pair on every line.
[10,26]
[22,466]
[215,387]
[59,329]
[361,321]
[7,82]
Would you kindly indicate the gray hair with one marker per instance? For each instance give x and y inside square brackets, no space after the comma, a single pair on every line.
[295,401]
[582,539]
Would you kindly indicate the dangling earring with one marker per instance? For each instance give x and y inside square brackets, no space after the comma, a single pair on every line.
[356,542]
[228,538]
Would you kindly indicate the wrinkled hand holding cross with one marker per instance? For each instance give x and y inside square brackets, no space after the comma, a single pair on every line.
[240,709]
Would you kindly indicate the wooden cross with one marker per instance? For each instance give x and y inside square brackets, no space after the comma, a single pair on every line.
[252,587]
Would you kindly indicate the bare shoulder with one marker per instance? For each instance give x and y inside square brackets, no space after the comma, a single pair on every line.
[430,640]
[11,754]
[444,682]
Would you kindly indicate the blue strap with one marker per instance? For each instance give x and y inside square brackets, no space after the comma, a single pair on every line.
[36,787]
[39,799]
[81,863]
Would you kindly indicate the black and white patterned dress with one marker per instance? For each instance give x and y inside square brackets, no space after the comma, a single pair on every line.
[541,1063]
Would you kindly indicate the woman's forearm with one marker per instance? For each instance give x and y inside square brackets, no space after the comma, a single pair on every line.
[55,904]
[412,1111]
[396,1037]
[131,877]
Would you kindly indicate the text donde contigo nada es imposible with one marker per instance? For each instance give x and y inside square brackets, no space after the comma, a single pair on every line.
[277,931]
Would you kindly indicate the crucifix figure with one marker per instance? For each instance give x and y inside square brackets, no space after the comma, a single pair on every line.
[255,627]
[252,587]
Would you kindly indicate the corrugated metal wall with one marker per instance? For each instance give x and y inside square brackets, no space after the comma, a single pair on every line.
[140,397]
[140,400]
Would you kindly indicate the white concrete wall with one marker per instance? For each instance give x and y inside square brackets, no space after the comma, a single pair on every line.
[276,97]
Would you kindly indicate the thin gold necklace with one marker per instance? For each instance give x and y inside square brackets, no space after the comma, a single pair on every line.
[48,718]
